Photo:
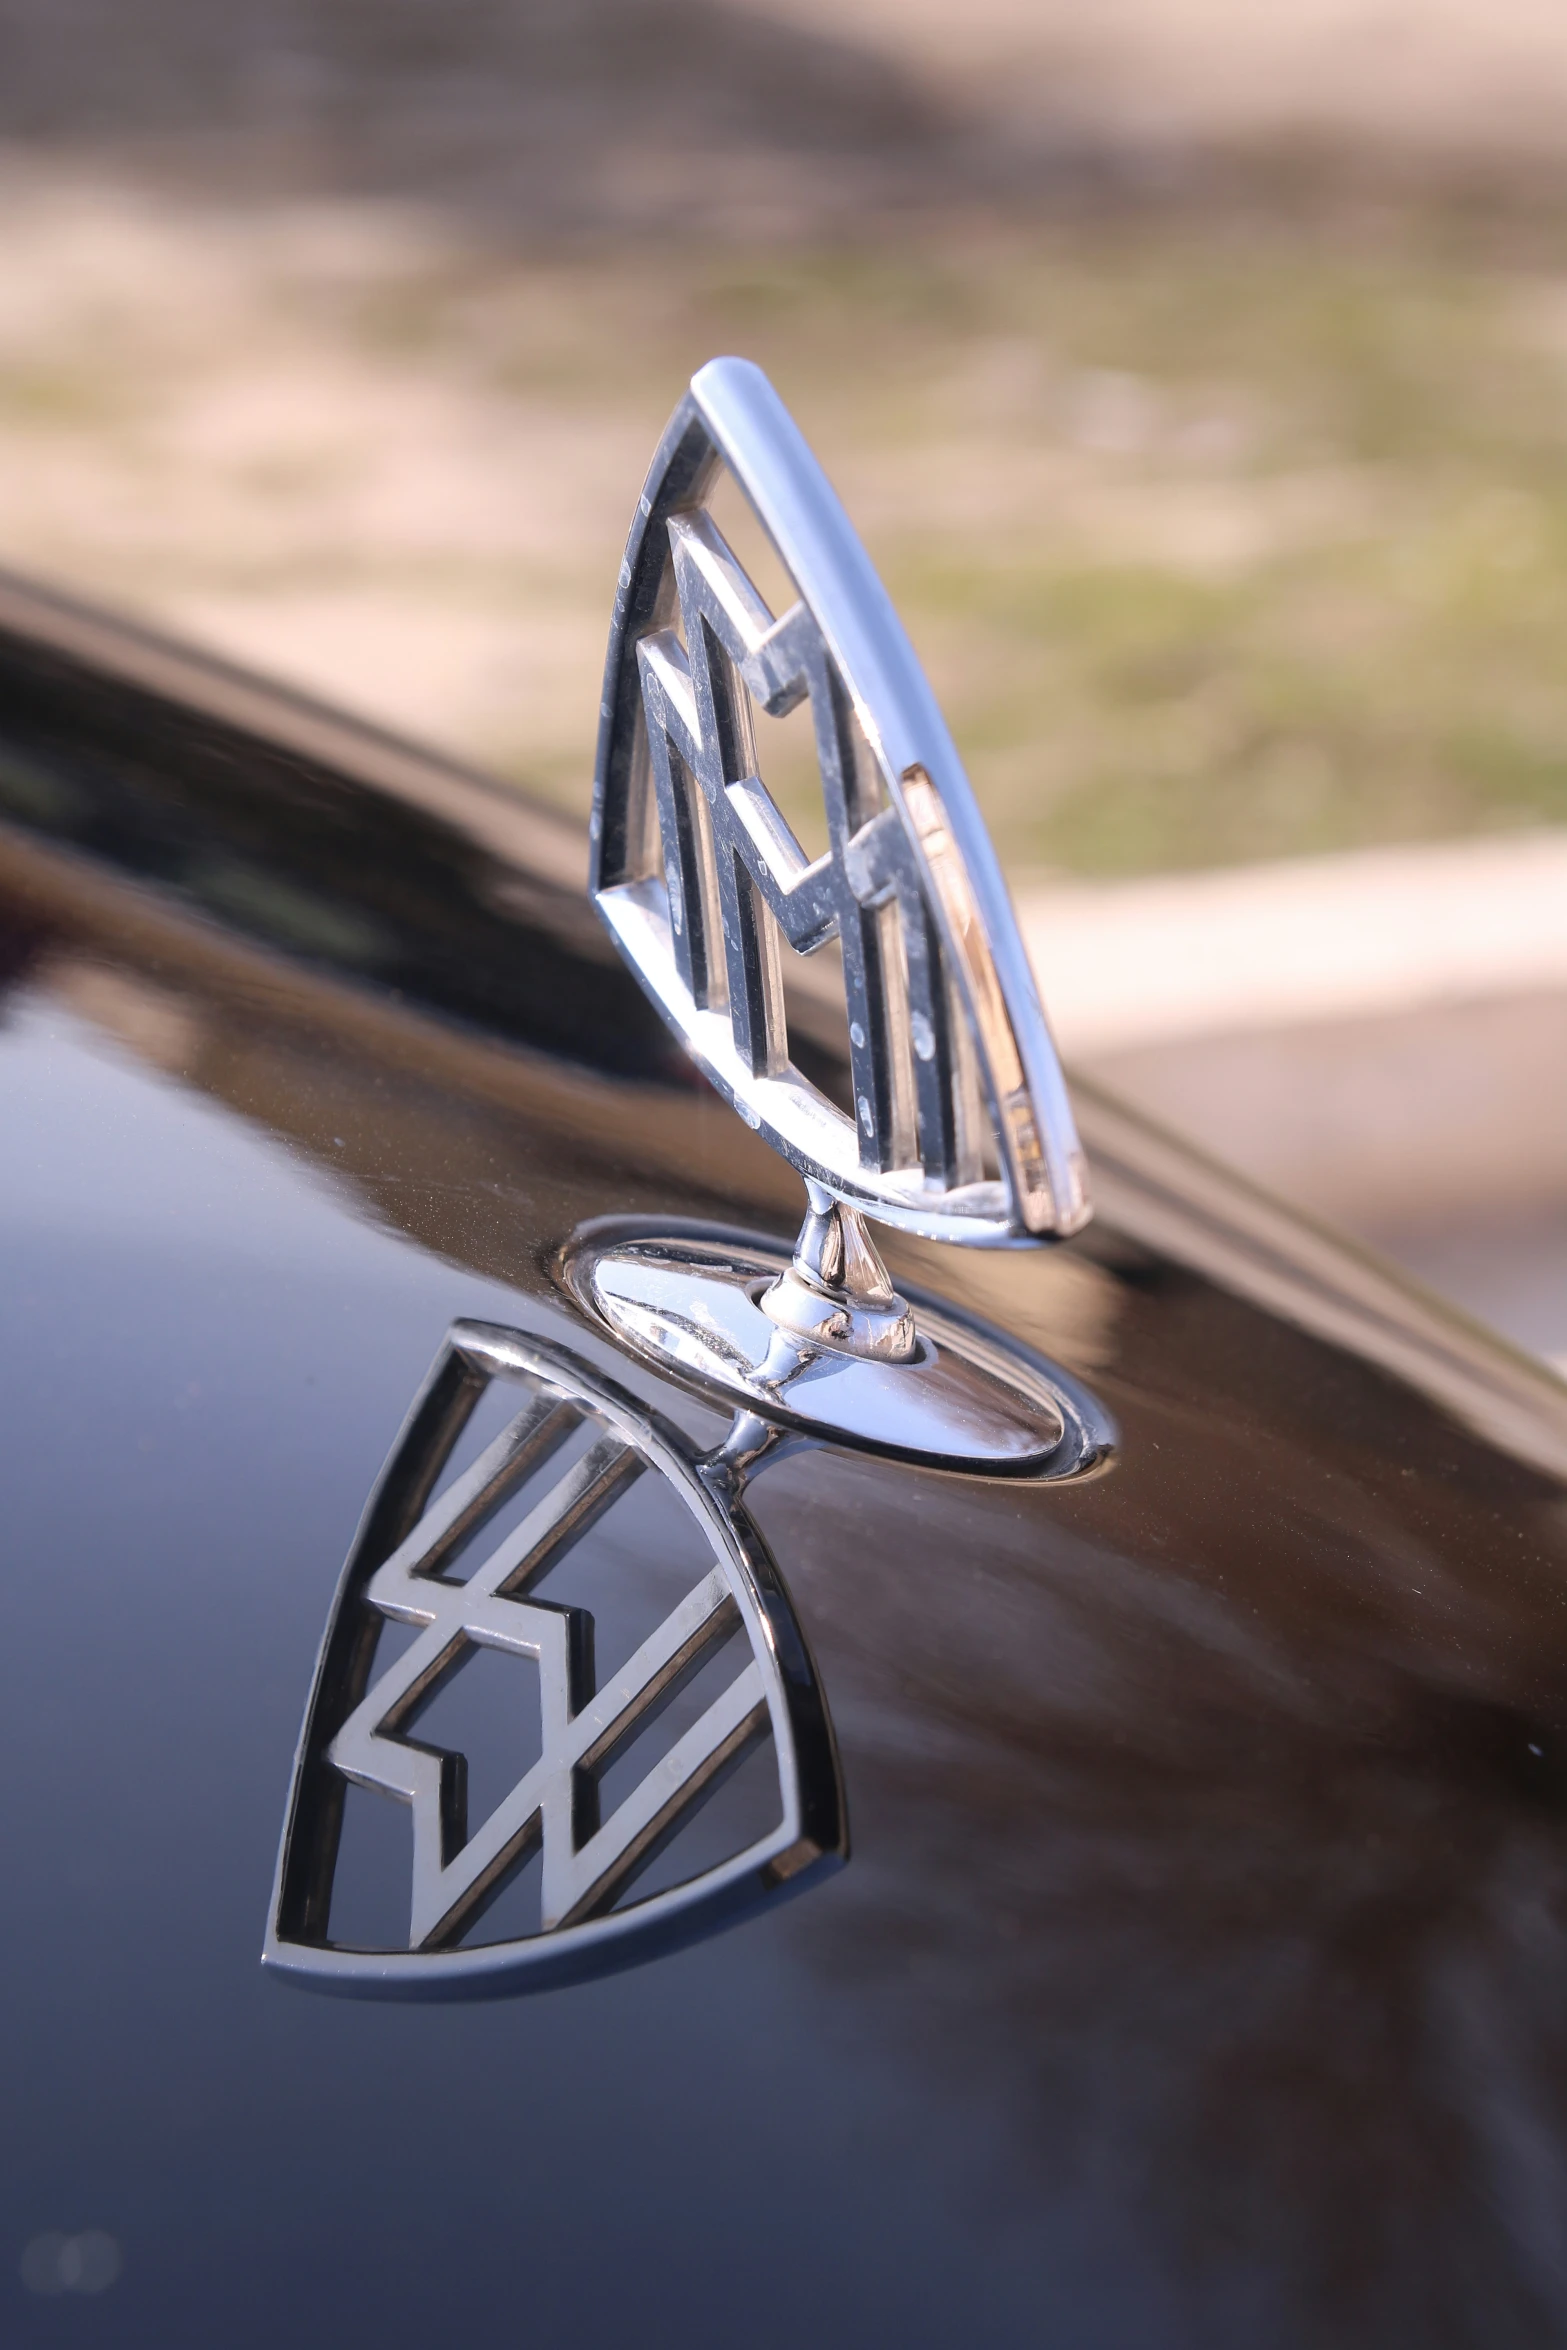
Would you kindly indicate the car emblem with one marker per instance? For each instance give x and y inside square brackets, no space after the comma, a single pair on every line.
[956,1123]
[956,1126]
[573,1446]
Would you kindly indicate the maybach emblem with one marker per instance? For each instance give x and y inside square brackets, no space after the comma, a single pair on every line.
[958,1123]
[954,1121]
[954,1124]
[571,1448]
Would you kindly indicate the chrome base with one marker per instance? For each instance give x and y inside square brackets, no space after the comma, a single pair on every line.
[836,1292]
[711,1312]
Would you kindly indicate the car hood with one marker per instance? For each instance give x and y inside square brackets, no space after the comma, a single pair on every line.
[1197,1972]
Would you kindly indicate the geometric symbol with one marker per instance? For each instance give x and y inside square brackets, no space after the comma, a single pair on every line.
[573,1446]
[957,1123]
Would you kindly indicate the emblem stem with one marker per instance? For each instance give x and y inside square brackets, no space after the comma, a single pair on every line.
[837,1292]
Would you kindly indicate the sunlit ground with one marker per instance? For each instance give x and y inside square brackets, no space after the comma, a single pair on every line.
[1223,536]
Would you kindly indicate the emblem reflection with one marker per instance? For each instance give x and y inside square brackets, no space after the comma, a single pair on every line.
[630,1750]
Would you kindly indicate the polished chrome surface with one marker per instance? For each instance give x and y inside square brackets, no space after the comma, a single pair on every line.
[365,1735]
[697,1307]
[960,1127]
[836,1291]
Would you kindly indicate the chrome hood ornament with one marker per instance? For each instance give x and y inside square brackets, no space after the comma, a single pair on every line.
[956,1124]
[961,1128]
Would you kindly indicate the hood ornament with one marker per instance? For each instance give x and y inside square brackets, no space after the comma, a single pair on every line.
[956,1124]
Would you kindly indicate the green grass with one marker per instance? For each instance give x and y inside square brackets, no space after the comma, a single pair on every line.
[1223,536]
[1220,542]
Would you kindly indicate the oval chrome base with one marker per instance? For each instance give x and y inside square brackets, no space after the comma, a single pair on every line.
[966,1399]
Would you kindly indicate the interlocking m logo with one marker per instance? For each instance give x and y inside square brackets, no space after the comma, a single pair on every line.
[585,1861]
[734,869]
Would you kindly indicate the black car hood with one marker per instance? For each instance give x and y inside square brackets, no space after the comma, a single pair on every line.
[1197,1975]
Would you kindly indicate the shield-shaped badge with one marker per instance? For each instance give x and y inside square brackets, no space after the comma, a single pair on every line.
[947,1115]
[958,1123]
[461,1556]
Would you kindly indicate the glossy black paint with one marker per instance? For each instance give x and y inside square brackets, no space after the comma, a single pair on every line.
[1199,1973]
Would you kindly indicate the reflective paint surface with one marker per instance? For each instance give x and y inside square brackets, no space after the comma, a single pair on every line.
[1197,1977]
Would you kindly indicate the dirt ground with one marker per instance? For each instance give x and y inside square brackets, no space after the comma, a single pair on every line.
[1221,540]
[1198,389]
[780,114]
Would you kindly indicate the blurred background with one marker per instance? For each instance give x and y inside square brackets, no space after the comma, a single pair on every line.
[1196,373]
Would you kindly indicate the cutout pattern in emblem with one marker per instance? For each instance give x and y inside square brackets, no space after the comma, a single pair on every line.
[959,1124]
[569,1451]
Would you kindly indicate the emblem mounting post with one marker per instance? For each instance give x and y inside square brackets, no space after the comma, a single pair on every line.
[957,1124]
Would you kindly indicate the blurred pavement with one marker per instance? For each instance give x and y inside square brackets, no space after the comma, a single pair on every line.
[1380,1037]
